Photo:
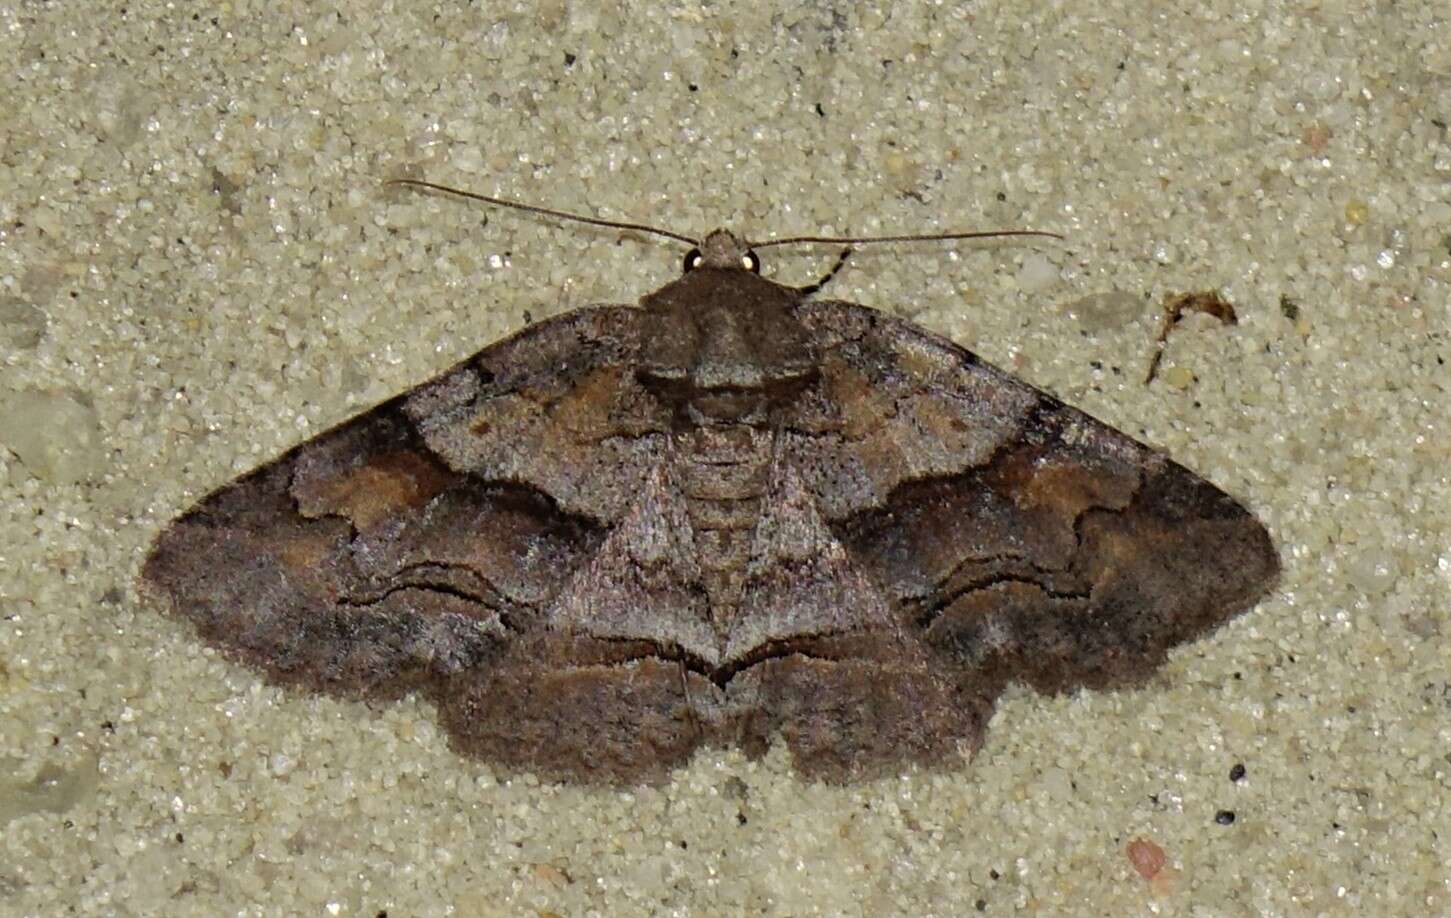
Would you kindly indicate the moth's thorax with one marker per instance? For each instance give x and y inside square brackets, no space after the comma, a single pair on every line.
[724,328]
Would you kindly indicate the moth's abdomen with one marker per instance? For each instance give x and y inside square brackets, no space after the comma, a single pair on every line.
[723,472]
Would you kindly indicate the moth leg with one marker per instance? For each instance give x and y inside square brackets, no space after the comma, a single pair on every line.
[826,278]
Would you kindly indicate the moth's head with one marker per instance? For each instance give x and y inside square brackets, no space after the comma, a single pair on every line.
[723,249]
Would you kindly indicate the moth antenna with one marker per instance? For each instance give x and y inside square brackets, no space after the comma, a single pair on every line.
[544,211]
[681,237]
[911,237]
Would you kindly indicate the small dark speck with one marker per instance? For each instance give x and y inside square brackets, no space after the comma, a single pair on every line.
[569,59]
[980,905]
[693,87]
[1224,817]
[1237,772]
[994,874]
[820,111]
[1002,196]
[741,819]
[180,839]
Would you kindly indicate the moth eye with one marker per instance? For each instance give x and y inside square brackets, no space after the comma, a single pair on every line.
[751,262]
[693,258]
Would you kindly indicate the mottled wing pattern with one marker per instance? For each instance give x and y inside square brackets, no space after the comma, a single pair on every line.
[407,545]
[1023,537]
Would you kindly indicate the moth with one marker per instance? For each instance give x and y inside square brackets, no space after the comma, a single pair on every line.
[729,515]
